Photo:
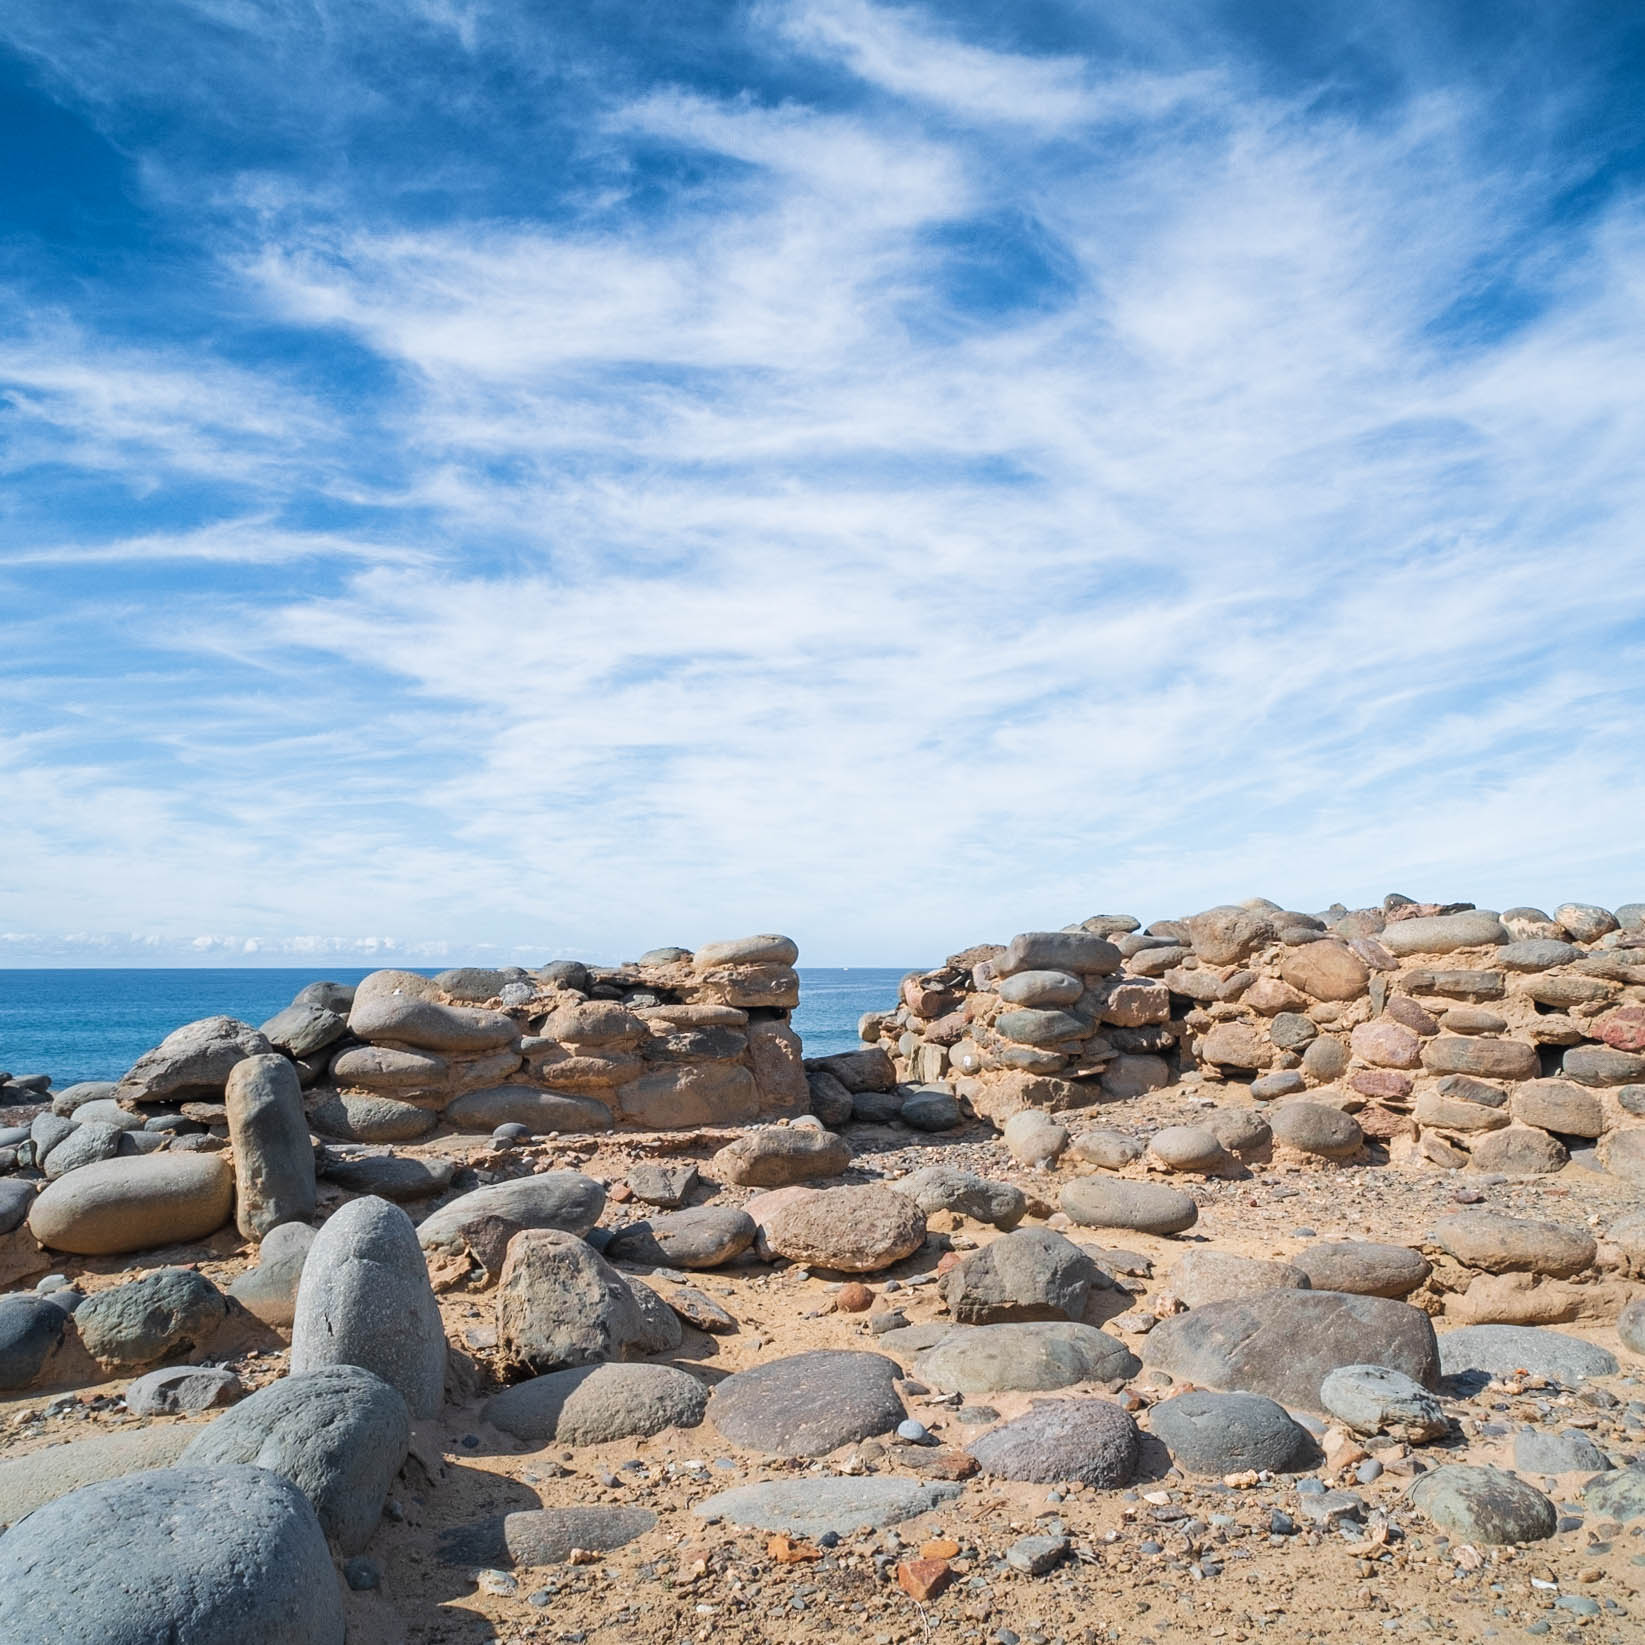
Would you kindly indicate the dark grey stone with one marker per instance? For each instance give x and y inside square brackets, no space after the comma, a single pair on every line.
[707,1236]
[808,1404]
[16,1196]
[365,1299]
[304,1030]
[190,1556]
[1284,1343]
[487,1218]
[539,1111]
[269,1290]
[1084,1439]
[543,1536]
[30,1327]
[389,1176]
[339,1434]
[943,1188]
[1210,1433]
[90,1141]
[193,1062]
[163,1313]
[180,1390]
[1031,1274]
[931,1111]
[559,1303]
[1497,1350]
[1537,954]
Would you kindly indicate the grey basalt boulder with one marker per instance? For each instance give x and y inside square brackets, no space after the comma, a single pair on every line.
[1211,1433]
[1031,1274]
[194,1061]
[273,1157]
[190,1556]
[544,1536]
[809,1404]
[1284,1343]
[595,1404]
[398,1007]
[1374,1398]
[365,1299]
[1500,1350]
[30,1328]
[1362,1267]
[559,1304]
[90,1141]
[339,1434]
[706,1236]
[1091,1440]
[182,1390]
[304,1030]
[1142,1207]
[943,1188]
[148,1319]
[269,1291]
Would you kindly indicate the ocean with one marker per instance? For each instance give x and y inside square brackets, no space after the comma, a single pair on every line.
[93,1025]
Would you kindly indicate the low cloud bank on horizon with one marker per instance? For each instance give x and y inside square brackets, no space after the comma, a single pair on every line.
[567,479]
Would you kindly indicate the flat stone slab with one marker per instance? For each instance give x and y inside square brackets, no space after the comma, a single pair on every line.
[816,1507]
[1499,1350]
[809,1404]
[1042,1355]
[29,1482]
[543,1536]
[1285,1343]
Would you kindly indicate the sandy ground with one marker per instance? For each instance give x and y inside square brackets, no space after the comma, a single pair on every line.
[1218,1573]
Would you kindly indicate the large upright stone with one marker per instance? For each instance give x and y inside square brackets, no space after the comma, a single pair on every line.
[364,1299]
[134,1204]
[339,1434]
[273,1157]
[185,1556]
[1284,1343]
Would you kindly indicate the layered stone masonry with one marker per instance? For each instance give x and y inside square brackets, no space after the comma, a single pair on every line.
[1459,1036]
[674,1039]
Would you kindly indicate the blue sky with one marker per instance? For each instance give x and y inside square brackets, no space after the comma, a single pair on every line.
[497,478]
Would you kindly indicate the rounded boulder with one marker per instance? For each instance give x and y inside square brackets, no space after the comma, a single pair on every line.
[134,1204]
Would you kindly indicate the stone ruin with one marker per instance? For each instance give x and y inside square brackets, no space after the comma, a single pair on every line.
[673,1039]
[1458,1037]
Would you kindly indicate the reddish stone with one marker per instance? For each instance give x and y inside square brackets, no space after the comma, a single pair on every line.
[1381,1082]
[853,1299]
[924,1579]
[1623,1029]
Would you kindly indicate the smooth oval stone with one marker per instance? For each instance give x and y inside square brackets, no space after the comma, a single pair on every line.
[1112,1150]
[1211,1433]
[1601,1065]
[595,1404]
[1041,988]
[1090,1440]
[1187,1148]
[987,1359]
[1558,1105]
[394,1007]
[1501,1244]
[200,1556]
[1316,1128]
[1483,1505]
[1444,933]
[269,1291]
[1491,1058]
[134,1204]
[273,1157]
[808,1404]
[1362,1268]
[389,1176]
[539,1111]
[16,1196]
[1537,954]
[351,1117]
[1500,1350]
[109,1112]
[1143,1207]
[1025,1026]
[89,1142]
[1239,1130]
[706,1236]
[777,1156]
[339,1434]
[365,1299]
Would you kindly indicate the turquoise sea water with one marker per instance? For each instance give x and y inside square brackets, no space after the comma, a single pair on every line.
[93,1025]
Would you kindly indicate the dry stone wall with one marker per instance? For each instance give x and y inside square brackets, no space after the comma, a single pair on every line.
[1457,1035]
[674,1039]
